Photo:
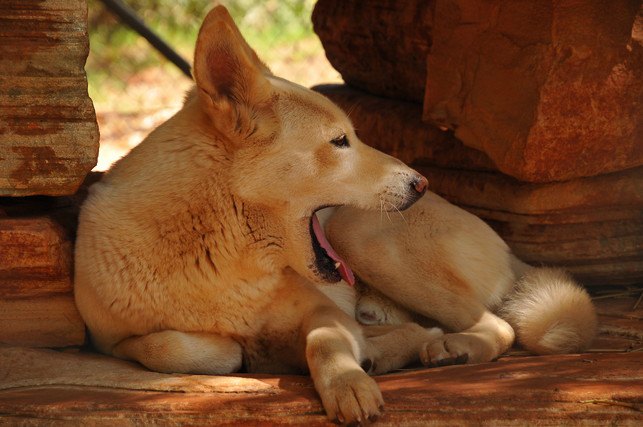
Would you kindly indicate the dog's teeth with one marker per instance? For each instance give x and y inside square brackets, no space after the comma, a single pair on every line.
[337,264]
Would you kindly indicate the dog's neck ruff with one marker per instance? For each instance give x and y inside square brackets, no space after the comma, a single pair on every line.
[344,270]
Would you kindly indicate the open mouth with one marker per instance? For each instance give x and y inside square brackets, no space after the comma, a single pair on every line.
[329,265]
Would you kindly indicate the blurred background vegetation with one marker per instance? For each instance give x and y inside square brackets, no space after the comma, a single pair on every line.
[134,88]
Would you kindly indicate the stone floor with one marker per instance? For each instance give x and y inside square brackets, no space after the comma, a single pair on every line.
[601,387]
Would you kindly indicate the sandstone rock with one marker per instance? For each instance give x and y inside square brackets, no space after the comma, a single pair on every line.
[51,321]
[550,90]
[591,226]
[36,293]
[48,130]
[378,45]
[36,258]
[34,368]
[616,196]
[622,316]
[396,128]
[45,386]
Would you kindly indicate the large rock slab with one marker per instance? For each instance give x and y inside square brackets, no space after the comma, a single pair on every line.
[36,294]
[620,319]
[51,321]
[36,252]
[549,90]
[591,226]
[48,130]
[36,258]
[45,387]
[378,45]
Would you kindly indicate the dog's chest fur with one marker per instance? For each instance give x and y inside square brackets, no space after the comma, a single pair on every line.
[193,264]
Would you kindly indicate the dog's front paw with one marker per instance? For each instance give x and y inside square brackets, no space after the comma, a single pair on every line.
[351,397]
[450,349]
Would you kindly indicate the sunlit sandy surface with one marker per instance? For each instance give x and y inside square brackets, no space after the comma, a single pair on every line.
[150,97]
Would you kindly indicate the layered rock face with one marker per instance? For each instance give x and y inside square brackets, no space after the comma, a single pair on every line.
[379,46]
[48,130]
[37,235]
[48,144]
[36,293]
[550,90]
[530,116]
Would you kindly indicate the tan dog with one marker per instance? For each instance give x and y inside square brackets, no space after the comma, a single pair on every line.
[444,263]
[197,252]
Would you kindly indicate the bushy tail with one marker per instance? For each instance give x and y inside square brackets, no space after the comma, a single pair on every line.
[550,313]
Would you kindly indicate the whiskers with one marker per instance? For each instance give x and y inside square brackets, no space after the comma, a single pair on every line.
[399,212]
[383,204]
[382,201]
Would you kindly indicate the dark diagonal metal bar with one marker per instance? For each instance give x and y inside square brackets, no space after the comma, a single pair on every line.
[129,17]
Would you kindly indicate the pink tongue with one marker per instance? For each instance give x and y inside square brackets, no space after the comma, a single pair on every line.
[344,270]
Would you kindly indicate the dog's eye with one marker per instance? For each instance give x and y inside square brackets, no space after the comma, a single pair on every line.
[341,142]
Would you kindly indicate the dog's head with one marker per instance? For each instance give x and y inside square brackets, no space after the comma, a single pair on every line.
[293,151]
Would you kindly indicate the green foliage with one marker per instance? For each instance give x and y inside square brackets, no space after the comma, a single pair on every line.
[116,52]
[266,24]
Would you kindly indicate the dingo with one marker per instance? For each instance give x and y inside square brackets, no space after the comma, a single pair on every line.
[198,251]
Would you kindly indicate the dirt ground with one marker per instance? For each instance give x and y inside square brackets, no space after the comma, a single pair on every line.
[153,95]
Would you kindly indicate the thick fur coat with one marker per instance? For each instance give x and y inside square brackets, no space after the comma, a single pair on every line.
[200,252]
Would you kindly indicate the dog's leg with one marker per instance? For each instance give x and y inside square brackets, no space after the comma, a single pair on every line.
[487,339]
[395,346]
[479,335]
[182,352]
[373,308]
[334,346]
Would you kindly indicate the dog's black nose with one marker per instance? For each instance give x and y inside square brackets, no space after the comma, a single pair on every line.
[419,184]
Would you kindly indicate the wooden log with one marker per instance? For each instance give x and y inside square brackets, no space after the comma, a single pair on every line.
[549,90]
[48,129]
[591,226]
[42,386]
[379,45]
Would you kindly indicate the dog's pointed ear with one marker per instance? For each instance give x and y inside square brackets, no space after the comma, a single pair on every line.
[226,69]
